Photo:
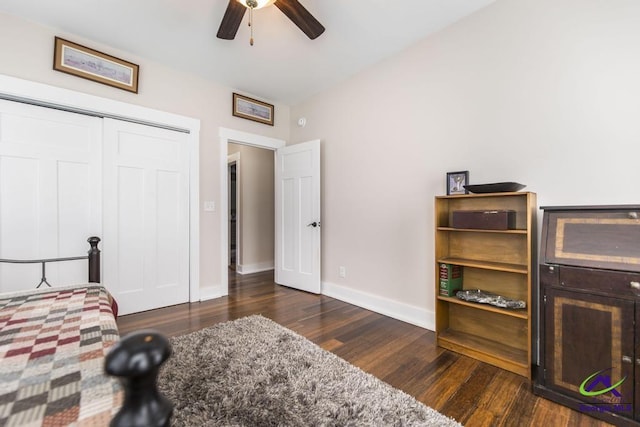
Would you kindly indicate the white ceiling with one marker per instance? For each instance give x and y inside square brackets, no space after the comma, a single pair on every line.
[283,66]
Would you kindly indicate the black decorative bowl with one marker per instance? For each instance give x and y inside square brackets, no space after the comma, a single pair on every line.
[496,187]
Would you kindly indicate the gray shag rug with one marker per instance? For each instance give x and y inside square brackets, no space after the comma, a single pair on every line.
[254,372]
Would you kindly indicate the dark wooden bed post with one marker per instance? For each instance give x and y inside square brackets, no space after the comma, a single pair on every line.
[136,361]
[94,260]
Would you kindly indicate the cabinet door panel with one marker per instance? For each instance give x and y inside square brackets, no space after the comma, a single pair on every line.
[590,349]
[637,369]
[597,238]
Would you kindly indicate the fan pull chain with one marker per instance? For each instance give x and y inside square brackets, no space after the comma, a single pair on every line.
[251,6]
[251,25]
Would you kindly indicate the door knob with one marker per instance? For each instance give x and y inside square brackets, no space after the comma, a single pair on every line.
[314,224]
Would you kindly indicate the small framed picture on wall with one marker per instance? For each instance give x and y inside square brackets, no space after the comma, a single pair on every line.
[456,182]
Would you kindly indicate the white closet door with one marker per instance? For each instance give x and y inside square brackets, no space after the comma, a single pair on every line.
[50,193]
[146,216]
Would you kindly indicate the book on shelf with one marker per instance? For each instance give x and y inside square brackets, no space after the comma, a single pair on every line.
[450,279]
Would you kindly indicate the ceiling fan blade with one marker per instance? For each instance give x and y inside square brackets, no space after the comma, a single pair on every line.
[301,17]
[231,20]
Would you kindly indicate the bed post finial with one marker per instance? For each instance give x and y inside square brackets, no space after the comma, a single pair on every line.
[136,361]
[94,260]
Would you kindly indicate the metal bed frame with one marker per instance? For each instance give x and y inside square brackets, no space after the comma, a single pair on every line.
[93,256]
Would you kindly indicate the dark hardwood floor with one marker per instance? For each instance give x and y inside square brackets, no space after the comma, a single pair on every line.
[403,355]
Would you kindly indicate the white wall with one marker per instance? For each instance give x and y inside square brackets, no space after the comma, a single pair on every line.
[27,52]
[542,92]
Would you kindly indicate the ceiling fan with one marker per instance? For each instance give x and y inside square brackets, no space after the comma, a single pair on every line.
[292,8]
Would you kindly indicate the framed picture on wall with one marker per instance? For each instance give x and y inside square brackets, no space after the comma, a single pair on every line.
[81,61]
[252,109]
[456,182]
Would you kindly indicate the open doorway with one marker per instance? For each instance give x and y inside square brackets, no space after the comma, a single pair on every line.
[239,137]
[297,229]
[251,208]
[233,212]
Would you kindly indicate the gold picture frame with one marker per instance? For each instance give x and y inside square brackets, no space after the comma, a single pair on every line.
[81,61]
[252,109]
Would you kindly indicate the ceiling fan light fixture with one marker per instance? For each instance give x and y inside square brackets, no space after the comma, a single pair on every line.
[293,9]
[256,4]
[251,5]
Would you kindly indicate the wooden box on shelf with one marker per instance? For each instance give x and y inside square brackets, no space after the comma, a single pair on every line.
[485,220]
[496,261]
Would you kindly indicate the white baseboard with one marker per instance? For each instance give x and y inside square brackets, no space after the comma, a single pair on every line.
[254,268]
[397,310]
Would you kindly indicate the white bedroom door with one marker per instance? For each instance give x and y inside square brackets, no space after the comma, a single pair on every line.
[146,216]
[298,216]
[50,192]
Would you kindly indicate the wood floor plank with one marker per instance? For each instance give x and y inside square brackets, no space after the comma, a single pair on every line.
[401,354]
[496,406]
[465,400]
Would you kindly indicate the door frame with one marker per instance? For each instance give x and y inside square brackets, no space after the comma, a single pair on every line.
[243,138]
[20,90]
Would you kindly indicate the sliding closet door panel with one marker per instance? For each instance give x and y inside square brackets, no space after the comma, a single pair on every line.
[50,192]
[146,217]
[19,221]
[170,220]
[131,228]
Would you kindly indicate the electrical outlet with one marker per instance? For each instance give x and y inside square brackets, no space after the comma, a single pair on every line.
[342,271]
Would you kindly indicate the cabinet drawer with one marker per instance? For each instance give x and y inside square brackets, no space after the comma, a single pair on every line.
[614,283]
[596,238]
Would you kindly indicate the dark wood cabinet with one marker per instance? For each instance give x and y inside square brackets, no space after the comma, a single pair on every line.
[588,323]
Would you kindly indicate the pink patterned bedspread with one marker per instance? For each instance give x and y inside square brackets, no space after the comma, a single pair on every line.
[52,348]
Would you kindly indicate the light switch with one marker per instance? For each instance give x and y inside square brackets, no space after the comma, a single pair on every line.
[210,206]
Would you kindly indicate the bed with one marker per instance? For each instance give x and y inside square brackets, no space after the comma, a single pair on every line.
[53,344]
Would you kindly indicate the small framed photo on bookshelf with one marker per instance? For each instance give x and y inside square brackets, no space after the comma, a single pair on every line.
[456,182]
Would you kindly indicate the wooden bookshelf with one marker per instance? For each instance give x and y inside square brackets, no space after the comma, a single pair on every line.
[496,261]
